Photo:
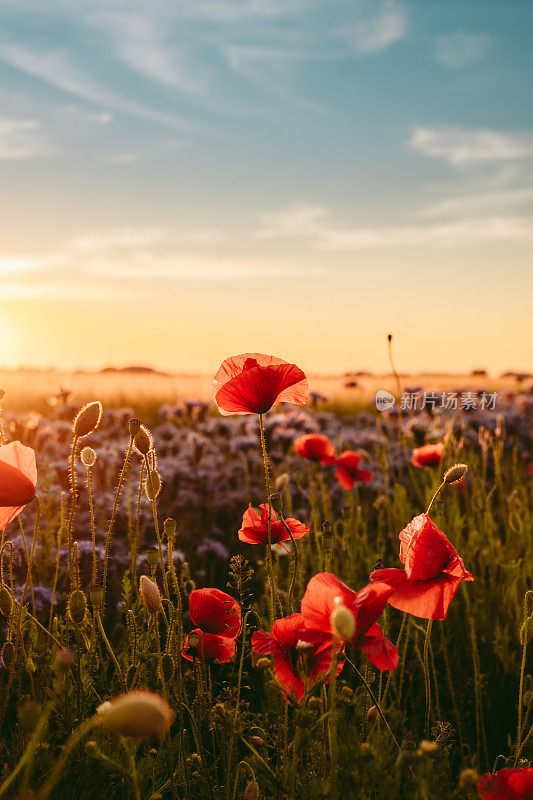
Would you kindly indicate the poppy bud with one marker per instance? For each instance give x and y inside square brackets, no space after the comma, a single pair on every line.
[282,482]
[372,714]
[8,654]
[138,714]
[455,474]
[193,640]
[150,594]
[252,791]
[88,457]
[468,777]
[169,528]
[152,556]
[315,704]
[76,606]
[276,501]
[87,419]
[327,530]
[257,741]
[143,441]
[6,602]
[342,620]
[263,663]
[134,426]
[96,595]
[64,659]
[527,699]
[153,485]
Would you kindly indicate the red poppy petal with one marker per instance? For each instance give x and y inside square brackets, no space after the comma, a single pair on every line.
[425,599]
[427,455]
[210,648]
[298,529]
[252,383]
[369,604]
[318,601]
[18,474]
[290,681]
[424,549]
[379,651]
[315,447]
[215,612]
[349,459]
[288,630]
[8,514]
[507,784]
[265,643]
[363,476]
[391,576]
[320,665]
[344,477]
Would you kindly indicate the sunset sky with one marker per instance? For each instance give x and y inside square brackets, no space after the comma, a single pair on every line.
[184,180]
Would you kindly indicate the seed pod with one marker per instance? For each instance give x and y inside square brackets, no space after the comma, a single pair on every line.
[8,654]
[139,714]
[77,605]
[150,594]
[252,791]
[134,426]
[169,528]
[455,474]
[372,714]
[327,530]
[88,457]
[153,485]
[143,441]
[87,419]
[152,556]
[257,741]
[193,640]
[6,602]
[167,667]
[342,621]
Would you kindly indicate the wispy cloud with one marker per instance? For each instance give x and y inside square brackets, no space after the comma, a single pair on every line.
[376,31]
[461,49]
[467,146]
[21,140]
[314,223]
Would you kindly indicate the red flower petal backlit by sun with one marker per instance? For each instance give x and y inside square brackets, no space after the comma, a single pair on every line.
[348,471]
[315,447]
[251,383]
[18,479]
[321,598]
[428,455]
[507,784]
[432,574]
[215,612]
[294,649]
[210,647]
[254,528]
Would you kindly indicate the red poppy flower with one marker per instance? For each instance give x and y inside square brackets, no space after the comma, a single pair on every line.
[322,596]
[296,650]
[210,647]
[215,612]
[348,471]
[315,447]
[507,784]
[254,528]
[251,383]
[432,574]
[428,455]
[18,478]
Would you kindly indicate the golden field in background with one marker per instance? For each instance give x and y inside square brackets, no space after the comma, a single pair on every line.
[31,389]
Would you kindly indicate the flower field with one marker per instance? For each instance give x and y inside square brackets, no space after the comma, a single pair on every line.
[266,596]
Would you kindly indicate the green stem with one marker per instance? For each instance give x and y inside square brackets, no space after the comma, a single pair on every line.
[270,569]
[114,512]
[427,677]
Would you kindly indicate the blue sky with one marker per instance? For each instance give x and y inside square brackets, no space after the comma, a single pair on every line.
[294,177]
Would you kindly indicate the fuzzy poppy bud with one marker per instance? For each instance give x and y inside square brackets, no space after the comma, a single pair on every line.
[153,485]
[152,556]
[455,474]
[468,777]
[138,714]
[96,595]
[372,714]
[342,620]
[6,602]
[87,419]
[257,741]
[276,501]
[252,791]
[88,457]
[134,426]
[150,594]
[282,482]
[167,667]
[8,654]
[76,606]
[143,441]
[193,640]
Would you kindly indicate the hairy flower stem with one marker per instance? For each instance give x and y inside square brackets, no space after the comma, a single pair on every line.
[435,496]
[294,564]
[58,554]
[269,535]
[525,641]
[109,648]
[111,525]
[137,531]
[333,711]
[427,677]
[26,553]
[93,530]
[73,502]
[156,526]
